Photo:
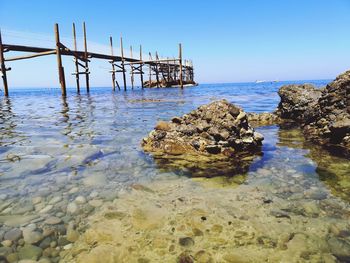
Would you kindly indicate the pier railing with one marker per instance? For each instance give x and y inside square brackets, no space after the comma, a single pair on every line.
[170,71]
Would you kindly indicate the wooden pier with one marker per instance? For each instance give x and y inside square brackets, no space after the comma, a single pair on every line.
[168,72]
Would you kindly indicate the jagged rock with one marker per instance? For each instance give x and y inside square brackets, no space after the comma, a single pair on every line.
[324,113]
[208,137]
[298,102]
[331,124]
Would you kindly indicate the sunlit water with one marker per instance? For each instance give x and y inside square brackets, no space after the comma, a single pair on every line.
[53,150]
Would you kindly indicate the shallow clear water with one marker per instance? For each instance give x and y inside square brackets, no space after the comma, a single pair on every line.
[89,145]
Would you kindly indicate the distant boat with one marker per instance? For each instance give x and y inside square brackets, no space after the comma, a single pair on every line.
[266,81]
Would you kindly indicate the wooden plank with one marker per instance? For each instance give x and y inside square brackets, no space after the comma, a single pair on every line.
[3,68]
[76,60]
[86,60]
[32,55]
[59,62]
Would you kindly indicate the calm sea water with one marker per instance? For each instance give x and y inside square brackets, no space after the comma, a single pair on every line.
[89,145]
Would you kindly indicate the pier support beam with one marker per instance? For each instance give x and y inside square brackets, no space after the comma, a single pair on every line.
[141,70]
[76,59]
[157,70]
[59,62]
[3,68]
[180,62]
[123,62]
[149,70]
[86,60]
[132,70]
[112,62]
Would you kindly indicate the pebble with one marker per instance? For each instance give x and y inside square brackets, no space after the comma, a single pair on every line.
[55,200]
[52,220]
[6,243]
[30,252]
[186,241]
[46,209]
[72,208]
[14,234]
[32,237]
[95,203]
[36,200]
[80,199]
[73,190]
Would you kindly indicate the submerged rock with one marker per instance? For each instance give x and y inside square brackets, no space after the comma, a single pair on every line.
[208,137]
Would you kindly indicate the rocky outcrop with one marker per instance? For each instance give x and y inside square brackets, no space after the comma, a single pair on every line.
[217,132]
[298,102]
[324,113]
[330,125]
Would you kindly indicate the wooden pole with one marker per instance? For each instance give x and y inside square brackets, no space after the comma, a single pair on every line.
[141,70]
[132,70]
[86,60]
[175,69]
[150,70]
[168,71]
[113,67]
[180,62]
[76,59]
[59,62]
[157,71]
[123,66]
[3,68]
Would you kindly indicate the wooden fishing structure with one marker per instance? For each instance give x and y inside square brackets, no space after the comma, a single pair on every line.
[168,72]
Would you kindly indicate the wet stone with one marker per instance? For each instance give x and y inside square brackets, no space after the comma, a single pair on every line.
[13,235]
[186,241]
[340,248]
[52,220]
[30,252]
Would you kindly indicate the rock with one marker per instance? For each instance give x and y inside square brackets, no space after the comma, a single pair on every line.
[32,237]
[13,235]
[6,243]
[72,235]
[95,180]
[36,200]
[52,220]
[263,119]
[29,252]
[80,199]
[55,200]
[298,101]
[4,251]
[46,209]
[186,241]
[13,257]
[340,248]
[218,132]
[95,203]
[72,208]
[324,114]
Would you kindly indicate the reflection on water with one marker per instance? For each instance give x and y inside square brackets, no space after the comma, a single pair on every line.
[66,157]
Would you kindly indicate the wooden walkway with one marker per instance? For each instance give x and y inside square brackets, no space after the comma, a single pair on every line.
[173,71]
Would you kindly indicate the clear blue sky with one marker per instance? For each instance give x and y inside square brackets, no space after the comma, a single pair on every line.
[229,41]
